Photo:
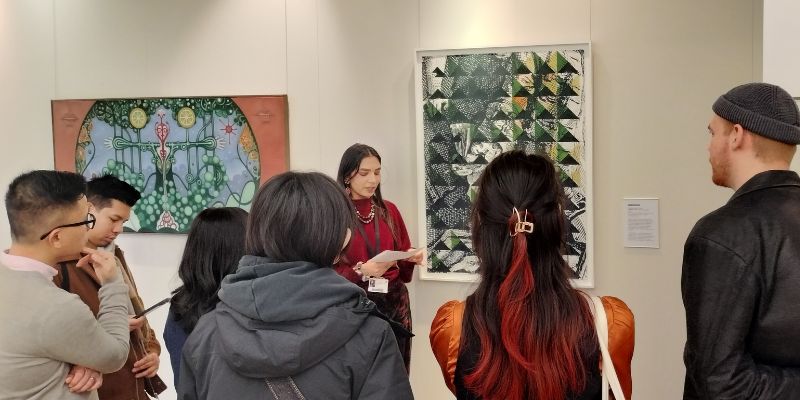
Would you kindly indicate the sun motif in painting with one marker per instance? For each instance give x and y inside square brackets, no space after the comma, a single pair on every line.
[175,152]
[228,129]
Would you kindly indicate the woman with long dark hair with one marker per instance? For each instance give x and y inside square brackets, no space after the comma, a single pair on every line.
[287,325]
[213,248]
[525,333]
[379,227]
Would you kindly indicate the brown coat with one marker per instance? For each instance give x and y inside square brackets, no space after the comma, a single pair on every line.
[123,384]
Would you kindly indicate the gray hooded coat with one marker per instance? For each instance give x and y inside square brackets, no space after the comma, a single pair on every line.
[291,319]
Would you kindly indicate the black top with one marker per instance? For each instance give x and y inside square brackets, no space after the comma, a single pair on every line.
[468,357]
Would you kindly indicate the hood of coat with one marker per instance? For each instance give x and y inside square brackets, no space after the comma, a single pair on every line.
[277,319]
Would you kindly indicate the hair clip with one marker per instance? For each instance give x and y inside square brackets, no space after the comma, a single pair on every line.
[522,225]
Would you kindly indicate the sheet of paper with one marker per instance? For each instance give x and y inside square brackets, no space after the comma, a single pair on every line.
[393,255]
[641,223]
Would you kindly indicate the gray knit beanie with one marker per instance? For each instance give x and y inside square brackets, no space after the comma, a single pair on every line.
[763,109]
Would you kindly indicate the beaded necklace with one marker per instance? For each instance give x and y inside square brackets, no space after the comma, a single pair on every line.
[369,217]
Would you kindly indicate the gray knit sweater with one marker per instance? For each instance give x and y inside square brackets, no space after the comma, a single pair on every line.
[45,330]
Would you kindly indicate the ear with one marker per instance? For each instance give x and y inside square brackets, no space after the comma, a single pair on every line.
[55,239]
[737,137]
[92,208]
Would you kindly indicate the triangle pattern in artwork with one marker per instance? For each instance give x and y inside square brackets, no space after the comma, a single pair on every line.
[567,181]
[437,94]
[540,134]
[565,113]
[565,89]
[564,65]
[569,160]
[452,68]
[541,65]
[540,111]
[564,135]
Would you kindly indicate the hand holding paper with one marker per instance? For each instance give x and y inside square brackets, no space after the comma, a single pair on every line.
[412,255]
[419,257]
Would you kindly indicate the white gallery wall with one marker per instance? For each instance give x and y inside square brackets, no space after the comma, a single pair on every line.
[781,61]
[347,67]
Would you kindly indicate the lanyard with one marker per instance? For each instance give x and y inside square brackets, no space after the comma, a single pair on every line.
[372,251]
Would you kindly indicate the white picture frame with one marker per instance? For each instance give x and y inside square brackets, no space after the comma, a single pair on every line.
[463,132]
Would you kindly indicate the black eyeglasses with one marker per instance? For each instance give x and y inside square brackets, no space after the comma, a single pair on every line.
[90,219]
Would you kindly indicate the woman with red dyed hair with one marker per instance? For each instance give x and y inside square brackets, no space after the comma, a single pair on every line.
[525,333]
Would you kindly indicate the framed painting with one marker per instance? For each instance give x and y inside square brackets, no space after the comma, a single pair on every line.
[473,104]
[183,154]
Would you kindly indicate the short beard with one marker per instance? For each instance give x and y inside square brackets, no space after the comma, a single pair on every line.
[720,176]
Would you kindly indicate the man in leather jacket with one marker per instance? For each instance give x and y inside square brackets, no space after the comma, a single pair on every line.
[741,263]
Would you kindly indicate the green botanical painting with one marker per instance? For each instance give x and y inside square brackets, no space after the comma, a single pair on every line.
[182,154]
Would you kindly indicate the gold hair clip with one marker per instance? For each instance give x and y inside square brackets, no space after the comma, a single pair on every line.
[522,225]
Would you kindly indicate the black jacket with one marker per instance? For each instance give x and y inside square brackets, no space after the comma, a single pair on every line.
[291,319]
[741,292]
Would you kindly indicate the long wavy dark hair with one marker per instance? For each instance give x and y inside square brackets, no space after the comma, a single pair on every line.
[534,331]
[213,249]
[349,166]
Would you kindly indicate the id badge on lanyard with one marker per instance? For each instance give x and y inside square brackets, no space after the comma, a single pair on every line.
[376,284]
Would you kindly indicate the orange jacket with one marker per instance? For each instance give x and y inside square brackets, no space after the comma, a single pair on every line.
[445,339]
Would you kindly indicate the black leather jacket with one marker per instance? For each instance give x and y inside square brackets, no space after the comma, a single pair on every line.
[741,292]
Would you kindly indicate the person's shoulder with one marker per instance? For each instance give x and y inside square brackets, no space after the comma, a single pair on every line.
[390,206]
[120,254]
[393,211]
[370,337]
[201,339]
[621,323]
[450,309]
[618,311]
[447,322]
[171,321]
[718,223]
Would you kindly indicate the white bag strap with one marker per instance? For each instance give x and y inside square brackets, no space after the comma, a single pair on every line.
[601,326]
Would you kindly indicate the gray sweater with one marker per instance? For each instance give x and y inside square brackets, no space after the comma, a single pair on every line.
[46,330]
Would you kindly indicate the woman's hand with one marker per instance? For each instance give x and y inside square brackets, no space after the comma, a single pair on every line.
[418,258]
[376,269]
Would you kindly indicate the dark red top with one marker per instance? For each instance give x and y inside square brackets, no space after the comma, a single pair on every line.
[357,251]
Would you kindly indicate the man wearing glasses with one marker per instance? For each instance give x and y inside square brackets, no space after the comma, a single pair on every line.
[46,331]
[110,200]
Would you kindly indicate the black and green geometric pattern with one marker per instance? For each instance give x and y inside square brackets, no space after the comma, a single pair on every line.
[476,106]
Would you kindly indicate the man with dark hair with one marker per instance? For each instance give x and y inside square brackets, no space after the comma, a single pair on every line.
[46,332]
[741,263]
[111,200]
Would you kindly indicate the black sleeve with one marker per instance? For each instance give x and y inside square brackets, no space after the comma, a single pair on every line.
[387,378]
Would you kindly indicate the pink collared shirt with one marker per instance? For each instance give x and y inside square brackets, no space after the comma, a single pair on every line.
[25,264]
